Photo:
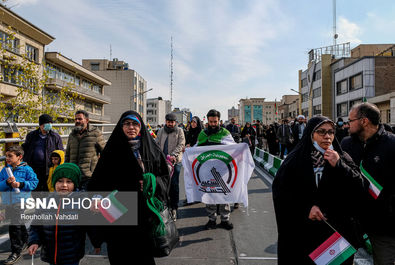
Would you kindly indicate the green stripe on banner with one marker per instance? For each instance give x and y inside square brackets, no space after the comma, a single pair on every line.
[348,252]
[116,203]
[369,177]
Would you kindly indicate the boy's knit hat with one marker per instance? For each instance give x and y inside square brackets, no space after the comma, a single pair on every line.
[67,170]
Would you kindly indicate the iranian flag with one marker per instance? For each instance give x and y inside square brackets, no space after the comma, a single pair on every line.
[374,187]
[114,210]
[335,250]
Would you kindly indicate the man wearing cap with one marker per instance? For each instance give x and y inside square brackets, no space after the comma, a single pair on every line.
[38,146]
[84,145]
[171,140]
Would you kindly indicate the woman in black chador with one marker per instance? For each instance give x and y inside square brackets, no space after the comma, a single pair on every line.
[316,182]
[130,152]
[193,132]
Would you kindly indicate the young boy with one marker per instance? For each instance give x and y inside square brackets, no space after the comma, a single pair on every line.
[61,244]
[25,180]
[57,158]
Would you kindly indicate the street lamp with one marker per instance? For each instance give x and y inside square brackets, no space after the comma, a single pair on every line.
[138,94]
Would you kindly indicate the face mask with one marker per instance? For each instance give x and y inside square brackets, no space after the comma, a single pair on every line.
[319,148]
[340,123]
[47,127]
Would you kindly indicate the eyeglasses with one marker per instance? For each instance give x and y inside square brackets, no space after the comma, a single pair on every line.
[323,132]
[130,123]
[354,120]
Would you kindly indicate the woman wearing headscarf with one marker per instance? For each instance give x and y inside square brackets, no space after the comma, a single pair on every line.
[193,132]
[316,183]
[129,153]
[248,133]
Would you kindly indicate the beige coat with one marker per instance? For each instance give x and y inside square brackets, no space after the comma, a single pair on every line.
[176,142]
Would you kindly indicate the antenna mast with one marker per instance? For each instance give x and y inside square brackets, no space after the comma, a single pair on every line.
[171,71]
[110,52]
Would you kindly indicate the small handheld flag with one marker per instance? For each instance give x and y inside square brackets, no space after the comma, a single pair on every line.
[114,210]
[374,187]
[151,131]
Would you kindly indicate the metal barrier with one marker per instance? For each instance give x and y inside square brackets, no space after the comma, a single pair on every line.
[12,128]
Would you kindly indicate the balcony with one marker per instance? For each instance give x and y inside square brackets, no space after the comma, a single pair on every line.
[86,93]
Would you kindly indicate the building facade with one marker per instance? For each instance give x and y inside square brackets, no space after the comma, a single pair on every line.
[157,108]
[128,88]
[233,113]
[370,78]
[20,41]
[285,110]
[63,72]
[258,109]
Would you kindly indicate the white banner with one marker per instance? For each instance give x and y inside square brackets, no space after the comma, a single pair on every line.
[218,174]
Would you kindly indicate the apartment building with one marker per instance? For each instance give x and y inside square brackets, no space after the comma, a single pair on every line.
[258,109]
[157,108]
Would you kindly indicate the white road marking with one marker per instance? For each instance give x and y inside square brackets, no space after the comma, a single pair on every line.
[4,238]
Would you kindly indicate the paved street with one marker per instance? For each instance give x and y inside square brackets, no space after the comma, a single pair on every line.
[252,241]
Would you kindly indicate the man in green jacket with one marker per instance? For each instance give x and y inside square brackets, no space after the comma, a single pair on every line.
[84,146]
[216,135]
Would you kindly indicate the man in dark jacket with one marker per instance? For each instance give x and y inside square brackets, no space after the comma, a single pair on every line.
[259,133]
[38,147]
[341,132]
[285,137]
[234,130]
[371,147]
[84,146]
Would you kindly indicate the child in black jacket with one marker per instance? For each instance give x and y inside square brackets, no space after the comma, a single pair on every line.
[61,244]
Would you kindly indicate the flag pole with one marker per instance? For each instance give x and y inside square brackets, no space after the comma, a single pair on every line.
[330,225]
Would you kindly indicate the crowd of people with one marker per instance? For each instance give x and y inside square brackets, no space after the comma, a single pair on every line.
[322,180]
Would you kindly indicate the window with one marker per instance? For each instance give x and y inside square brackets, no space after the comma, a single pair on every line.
[88,107]
[86,84]
[317,110]
[95,66]
[304,82]
[317,92]
[356,101]
[317,75]
[98,109]
[342,109]
[31,53]
[305,112]
[9,42]
[356,82]
[77,81]
[305,97]
[97,88]
[341,87]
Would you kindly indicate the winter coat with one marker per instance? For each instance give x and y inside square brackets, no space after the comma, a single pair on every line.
[378,159]
[60,244]
[28,181]
[53,142]
[176,142]
[295,192]
[52,169]
[284,134]
[83,150]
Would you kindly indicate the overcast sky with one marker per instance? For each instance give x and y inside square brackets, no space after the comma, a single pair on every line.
[224,50]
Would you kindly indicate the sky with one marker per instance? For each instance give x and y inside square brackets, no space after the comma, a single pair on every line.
[224,50]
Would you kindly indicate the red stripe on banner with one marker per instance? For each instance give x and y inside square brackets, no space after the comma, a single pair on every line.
[107,215]
[235,166]
[324,246]
[193,171]
[372,193]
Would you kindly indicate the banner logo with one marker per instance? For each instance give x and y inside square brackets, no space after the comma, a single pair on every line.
[214,172]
